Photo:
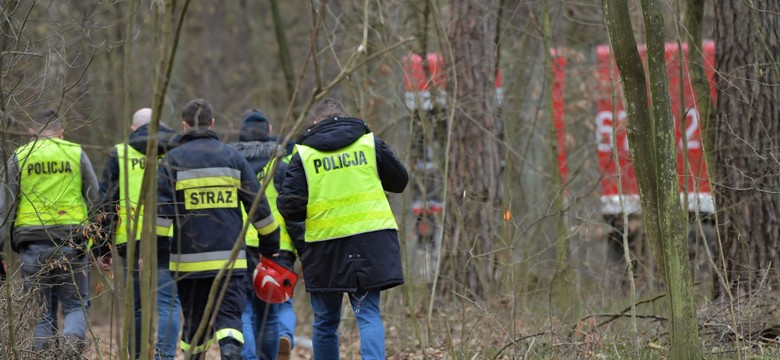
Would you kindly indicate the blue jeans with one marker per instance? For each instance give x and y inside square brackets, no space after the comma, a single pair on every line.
[286,311]
[260,322]
[59,271]
[287,321]
[248,352]
[327,314]
[168,312]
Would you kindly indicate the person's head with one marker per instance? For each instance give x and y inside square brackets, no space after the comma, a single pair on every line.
[255,127]
[197,114]
[325,109]
[46,123]
[141,118]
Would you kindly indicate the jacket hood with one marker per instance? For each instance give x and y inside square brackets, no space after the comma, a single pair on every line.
[256,150]
[166,139]
[333,134]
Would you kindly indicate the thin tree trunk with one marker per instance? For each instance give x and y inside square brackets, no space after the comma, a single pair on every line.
[285,60]
[693,28]
[148,273]
[165,49]
[561,283]
[652,144]
[128,335]
[5,120]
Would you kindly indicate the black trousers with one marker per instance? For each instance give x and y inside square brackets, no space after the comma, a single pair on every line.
[227,325]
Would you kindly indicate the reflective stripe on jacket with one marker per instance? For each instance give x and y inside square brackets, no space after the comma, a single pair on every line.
[50,184]
[202,187]
[206,261]
[345,194]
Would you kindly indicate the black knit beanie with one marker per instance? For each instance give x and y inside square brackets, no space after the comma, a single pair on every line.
[255,127]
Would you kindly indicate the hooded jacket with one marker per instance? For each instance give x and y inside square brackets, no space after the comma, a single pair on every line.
[258,154]
[366,261]
[199,227]
[110,181]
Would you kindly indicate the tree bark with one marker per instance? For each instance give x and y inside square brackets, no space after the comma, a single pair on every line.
[474,157]
[562,284]
[652,145]
[165,17]
[693,19]
[285,60]
[746,133]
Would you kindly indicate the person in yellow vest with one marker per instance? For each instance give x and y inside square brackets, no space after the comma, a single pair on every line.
[50,192]
[273,325]
[120,192]
[202,186]
[336,183]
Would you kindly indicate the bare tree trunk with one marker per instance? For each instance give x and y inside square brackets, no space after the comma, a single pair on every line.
[652,144]
[693,18]
[5,121]
[561,282]
[129,334]
[474,161]
[746,135]
[285,60]
[165,17]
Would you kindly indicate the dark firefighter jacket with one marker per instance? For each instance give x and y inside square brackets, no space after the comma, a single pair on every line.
[110,182]
[365,261]
[200,185]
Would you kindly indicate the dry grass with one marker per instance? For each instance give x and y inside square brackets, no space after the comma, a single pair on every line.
[521,326]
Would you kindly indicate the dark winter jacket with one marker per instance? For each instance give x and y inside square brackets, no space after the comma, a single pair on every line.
[209,229]
[258,153]
[109,185]
[365,261]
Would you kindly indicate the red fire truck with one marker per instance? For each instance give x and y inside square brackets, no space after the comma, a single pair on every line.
[427,94]
[619,191]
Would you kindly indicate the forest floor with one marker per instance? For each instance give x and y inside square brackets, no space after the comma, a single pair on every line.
[528,319]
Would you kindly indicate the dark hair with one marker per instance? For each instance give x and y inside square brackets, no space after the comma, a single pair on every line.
[327,108]
[197,113]
[46,119]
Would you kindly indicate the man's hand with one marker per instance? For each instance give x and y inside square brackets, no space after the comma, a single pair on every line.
[105,263]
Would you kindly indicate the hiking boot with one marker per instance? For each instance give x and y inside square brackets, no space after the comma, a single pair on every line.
[285,347]
[230,352]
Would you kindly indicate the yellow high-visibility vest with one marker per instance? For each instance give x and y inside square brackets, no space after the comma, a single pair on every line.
[345,193]
[50,184]
[285,242]
[134,162]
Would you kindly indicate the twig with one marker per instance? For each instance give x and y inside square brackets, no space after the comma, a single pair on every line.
[515,341]
[618,315]
[26,53]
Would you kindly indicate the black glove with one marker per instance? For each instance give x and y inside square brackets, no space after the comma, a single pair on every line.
[3,270]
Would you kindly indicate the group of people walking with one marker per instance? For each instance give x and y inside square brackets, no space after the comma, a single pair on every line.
[324,203]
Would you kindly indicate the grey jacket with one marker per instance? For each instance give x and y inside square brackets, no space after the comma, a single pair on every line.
[57,233]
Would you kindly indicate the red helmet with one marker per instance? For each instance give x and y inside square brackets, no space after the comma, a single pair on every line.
[273,283]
